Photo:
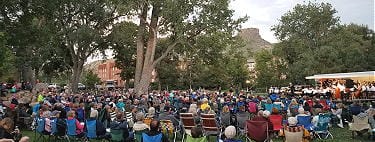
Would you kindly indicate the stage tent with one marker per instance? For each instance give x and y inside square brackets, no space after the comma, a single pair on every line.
[356,76]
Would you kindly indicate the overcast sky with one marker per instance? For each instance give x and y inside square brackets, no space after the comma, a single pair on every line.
[265,13]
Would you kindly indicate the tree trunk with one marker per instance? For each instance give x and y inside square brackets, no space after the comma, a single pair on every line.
[77,71]
[140,48]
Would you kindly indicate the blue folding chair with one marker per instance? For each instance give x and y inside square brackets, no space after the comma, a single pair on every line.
[277,106]
[147,138]
[268,107]
[305,121]
[40,129]
[71,130]
[322,129]
[91,129]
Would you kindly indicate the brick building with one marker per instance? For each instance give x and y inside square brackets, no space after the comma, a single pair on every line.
[108,71]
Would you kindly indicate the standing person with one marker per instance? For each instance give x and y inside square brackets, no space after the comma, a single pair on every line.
[336,112]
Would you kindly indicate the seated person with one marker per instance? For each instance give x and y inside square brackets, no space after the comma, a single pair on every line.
[167,115]
[120,124]
[292,127]
[196,132]
[79,126]
[100,128]
[355,108]
[263,116]
[140,125]
[230,133]
[154,131]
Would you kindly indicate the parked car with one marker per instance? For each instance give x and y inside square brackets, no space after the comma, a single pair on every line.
[81,86]
[53,85]
[110,85]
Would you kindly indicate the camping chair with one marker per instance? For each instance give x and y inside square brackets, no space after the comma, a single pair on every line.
[225,119]
[241,121]
[256,130]
[71,130]
[268,107]
[359,124]
[39,131]
[168,129]
[138,135]
[277,106]
[117,135]
[305,121]
[210,125]
[147,138]
[276,121]
[293,134]
[187,120]
[191,139]
[322,128]
[55,132]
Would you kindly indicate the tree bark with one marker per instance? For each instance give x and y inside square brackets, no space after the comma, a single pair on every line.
[77,72]
[140,48]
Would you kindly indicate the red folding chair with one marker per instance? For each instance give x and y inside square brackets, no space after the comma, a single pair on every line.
[276,121]
[257,131]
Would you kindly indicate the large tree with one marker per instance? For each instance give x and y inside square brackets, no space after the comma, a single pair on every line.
[313,42]
[81,27]
[181,21]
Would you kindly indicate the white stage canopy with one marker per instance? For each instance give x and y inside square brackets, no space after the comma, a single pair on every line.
[356,76]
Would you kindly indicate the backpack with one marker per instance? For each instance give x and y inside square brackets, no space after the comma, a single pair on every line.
[61,127]
[252,107]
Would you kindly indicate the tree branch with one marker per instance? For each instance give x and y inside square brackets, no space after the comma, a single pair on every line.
[165,53]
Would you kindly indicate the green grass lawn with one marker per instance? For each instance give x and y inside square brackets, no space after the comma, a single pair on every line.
[340,135]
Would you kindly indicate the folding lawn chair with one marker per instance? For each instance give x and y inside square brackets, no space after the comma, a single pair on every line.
[293,134]
[257,131]
[187,120]
[210,125]
[305,121]
[359,124]
[168,129]
[322,128]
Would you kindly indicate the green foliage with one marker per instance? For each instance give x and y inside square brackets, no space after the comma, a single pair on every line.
[122,40]
[6,59]
[210,63]
[90,79]
[314,42]
[270,70]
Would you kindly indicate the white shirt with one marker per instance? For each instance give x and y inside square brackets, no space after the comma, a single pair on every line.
[372,88]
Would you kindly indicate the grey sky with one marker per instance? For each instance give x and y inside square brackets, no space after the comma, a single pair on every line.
[265,13]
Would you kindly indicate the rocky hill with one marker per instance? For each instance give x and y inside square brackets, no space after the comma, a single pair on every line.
[253,41]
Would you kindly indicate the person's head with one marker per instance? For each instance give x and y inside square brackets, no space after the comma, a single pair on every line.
[139,116]
[225,109]
[260,113]
[154,125]
[196,132]
[292,121]
[266,114]
[119,116]
[151,112]
[7,123]
[230,132]
[71,114]
[275,111]
[56,114]
[301,110]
